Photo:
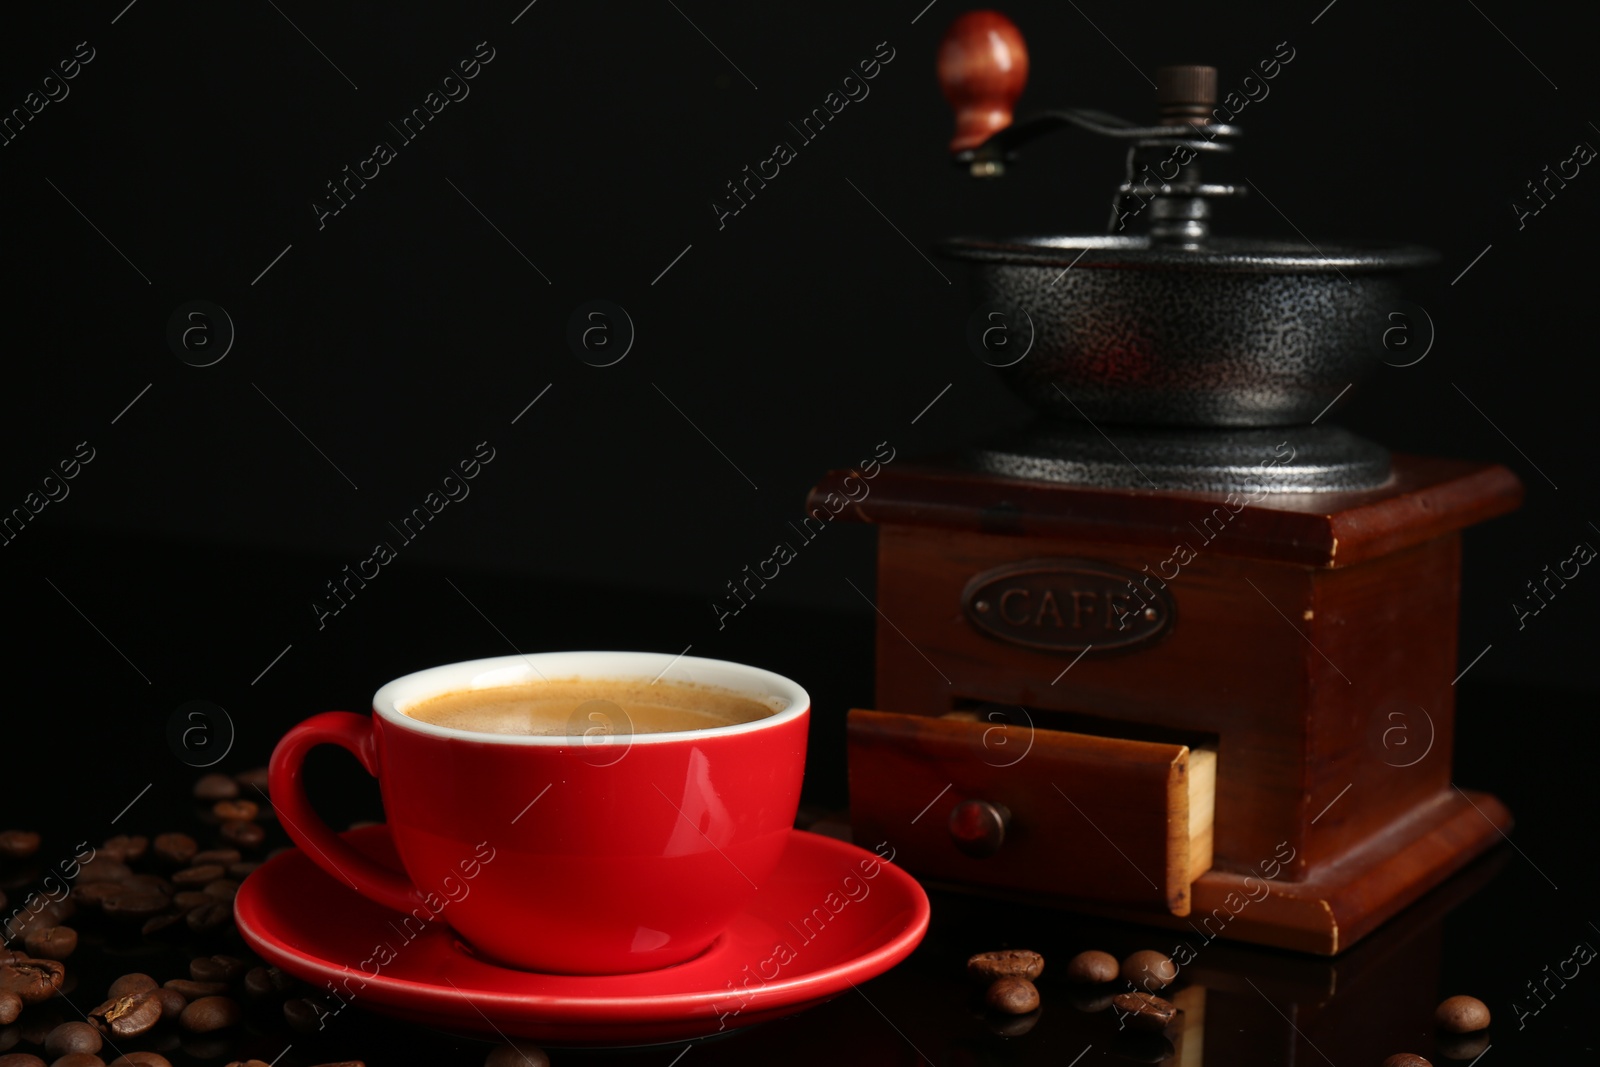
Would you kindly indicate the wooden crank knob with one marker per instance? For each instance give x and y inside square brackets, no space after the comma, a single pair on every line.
[983,65]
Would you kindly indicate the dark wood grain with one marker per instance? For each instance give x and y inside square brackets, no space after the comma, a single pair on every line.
[1311,640]
[1426,497]
[1072,796]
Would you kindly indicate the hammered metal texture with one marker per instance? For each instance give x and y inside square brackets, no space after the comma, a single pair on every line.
[1248,336]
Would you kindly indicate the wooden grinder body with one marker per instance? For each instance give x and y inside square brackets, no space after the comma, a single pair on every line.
[1303,645]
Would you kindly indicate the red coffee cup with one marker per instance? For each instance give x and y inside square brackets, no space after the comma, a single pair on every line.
[607,852]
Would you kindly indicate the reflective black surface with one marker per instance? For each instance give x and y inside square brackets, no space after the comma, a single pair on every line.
[86,734]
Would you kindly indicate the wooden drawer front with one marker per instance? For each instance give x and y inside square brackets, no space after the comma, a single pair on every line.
[1092,818]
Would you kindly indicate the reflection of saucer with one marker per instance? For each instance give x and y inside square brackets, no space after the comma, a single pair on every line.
[817,927]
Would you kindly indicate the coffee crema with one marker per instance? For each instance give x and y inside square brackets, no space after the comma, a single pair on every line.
[574,707]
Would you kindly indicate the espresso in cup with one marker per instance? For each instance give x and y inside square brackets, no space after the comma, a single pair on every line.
[548,848]
[583,706]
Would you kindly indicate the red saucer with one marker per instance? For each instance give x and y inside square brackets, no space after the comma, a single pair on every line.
[817,927]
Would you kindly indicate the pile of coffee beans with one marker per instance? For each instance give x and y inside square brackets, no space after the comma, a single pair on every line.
[1008,975]
[168,887]
[1009,1002]
[1129,988]
[174,888]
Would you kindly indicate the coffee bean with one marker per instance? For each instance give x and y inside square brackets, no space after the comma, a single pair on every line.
[1457,1015]
[103,869]
[243,833]
[222,856]
[222,889]
[94,893]
[258,984]
[344,1063]
[18,844]
[140,1059]
[78,1059]
[215,787]
[56,912]
[1013,996]
[136,903]
[249,1063]
[517,1054]
[190,899]
[1406,1059]
[128,1016]
[124,847]
[35,981]
[1143,1011]
[20,1059]
[198,876]
[209,917]
[129,984]
[242,808]
[147,881]
[303,1015]
[10,1008]
[72,1037]
[51,913]
[268,981]
[1006,963]
[216,968]
[1148,969]
[172,1003]
[252,780]
[196,990]
[158,926]
[54,943]
[175,848]
[209,1014]
[243,870]
[1093,968]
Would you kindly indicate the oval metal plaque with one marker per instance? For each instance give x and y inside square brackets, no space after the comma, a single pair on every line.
[1068,605]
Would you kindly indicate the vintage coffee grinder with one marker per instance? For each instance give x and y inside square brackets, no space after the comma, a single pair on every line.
[1179,653]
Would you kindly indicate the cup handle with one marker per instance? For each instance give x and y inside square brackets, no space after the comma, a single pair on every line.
[321,845]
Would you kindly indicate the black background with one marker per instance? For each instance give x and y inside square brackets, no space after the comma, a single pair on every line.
[379,350]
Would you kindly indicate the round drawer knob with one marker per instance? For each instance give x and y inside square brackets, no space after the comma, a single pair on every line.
[978,827]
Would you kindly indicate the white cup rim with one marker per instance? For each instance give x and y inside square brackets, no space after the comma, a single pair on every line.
[500,671]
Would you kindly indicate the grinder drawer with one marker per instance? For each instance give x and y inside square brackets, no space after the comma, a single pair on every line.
[1033,810]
